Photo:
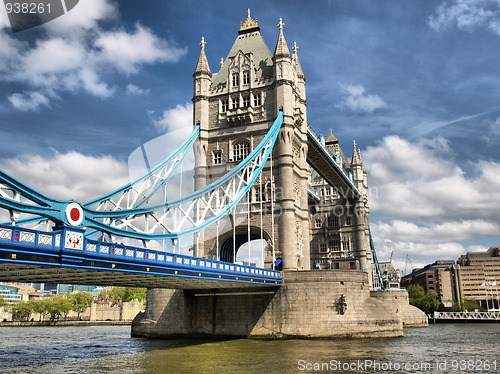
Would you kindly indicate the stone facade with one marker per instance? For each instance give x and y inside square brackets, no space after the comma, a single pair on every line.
[235,109]
[313,304]
[340,237]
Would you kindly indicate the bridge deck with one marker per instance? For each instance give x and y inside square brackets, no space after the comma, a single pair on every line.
[43,257]
[326,164]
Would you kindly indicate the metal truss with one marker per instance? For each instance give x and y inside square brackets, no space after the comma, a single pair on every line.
[131,195]
[193,212]
[139,192]
[131,212]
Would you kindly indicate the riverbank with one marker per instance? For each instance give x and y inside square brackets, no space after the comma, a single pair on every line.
[63,323]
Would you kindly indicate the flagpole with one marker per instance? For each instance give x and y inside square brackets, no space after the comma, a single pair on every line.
[486,295]
[487,303]
[494,284]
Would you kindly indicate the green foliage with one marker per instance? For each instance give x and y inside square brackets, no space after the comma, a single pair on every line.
[21,310]
[54,306]
[427,302]
[57,305]
[80,301]
[123,293]
[469,305]
[39,307]
[3,303]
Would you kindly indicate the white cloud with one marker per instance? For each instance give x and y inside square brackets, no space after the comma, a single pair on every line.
[410,181]
[129,50]
[29,101]
[357,100]
[132,89]
[76,54]
[468,15]
[438,233]
[427,204]
[83,18]
[179,118]
[494,135]
[420,254]
[68,176]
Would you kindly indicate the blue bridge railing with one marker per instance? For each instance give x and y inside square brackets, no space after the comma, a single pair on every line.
[72,243]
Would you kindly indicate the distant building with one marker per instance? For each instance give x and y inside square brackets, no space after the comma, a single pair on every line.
[391,277]
[65,288]
[476,275]
[15,292]
[479,277]
[437,277]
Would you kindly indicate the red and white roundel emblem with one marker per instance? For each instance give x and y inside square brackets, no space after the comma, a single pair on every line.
[74,214]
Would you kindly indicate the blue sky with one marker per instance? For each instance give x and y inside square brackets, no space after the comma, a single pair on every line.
[415,83]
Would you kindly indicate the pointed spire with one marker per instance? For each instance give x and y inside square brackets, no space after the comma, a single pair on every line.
[356,160]
[298,68]
[281,47]
[202,66]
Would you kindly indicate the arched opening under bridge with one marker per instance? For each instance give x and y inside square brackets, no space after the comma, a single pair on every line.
[254,251]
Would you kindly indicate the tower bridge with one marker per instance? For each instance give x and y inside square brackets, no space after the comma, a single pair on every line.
[261,172]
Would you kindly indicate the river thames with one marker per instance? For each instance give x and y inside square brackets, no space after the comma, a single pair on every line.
[441,348]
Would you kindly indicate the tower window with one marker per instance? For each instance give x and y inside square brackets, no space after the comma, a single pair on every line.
[224,105]
[236,102]
[257,99]
[260,194]
[333,221]
[322,247]
[246,101]
[317,223]
[348,221]
[246,77]
[241,149]
[236,79]
[217,157]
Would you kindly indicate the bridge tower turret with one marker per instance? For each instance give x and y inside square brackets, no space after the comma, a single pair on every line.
[291,155]
[361,213]
[202,82]
[235,109]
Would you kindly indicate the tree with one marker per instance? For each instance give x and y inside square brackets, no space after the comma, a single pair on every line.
[80,301]
[427,302]
[39,306]
[123,293]
[469,305]
[3,303]
[57,305]
[21,310]
[415,293]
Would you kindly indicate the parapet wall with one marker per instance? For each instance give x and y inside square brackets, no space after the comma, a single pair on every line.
[309,304]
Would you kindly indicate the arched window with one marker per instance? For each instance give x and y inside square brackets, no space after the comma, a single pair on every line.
[241,149]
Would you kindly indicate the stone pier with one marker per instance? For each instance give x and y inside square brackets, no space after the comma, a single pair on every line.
[310,304]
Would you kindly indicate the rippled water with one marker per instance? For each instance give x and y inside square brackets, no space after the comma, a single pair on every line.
[457,348]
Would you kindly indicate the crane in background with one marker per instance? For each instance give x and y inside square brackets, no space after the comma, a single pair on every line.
[406,264]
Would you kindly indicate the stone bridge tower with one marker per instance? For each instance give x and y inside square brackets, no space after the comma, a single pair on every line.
[235,108]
